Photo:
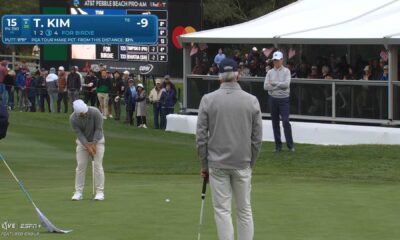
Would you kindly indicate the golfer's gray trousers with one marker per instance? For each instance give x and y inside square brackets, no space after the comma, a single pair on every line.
[82,158]
[226,183]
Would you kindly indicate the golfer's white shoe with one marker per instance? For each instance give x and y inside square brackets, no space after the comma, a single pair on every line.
[99,196]
[77,196]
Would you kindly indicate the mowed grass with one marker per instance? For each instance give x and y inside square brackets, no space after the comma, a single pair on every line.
[318,192]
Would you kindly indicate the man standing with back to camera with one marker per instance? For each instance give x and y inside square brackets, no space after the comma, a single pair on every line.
[229,135]
[3,119]
[277,83]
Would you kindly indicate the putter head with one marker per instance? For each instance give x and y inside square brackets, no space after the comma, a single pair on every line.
[48,225]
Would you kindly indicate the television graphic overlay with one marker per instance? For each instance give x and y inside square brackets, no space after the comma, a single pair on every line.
[145,59]
[85,29]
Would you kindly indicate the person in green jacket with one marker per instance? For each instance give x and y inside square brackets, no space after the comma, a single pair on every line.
[103,89]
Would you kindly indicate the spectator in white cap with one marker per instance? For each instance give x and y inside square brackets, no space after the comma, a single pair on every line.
[52,88]
[141,107]
[277,83]
[87,122]
[228,137]
[125,79]
[154,97]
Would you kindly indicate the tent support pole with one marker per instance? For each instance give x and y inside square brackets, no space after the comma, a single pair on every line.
[393,72]
[187,63]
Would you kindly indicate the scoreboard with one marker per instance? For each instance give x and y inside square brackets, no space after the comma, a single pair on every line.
[164,56]
[153,53]
[64,29]
[137,58]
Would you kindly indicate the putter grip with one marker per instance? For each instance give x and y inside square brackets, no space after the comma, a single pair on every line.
[203,191]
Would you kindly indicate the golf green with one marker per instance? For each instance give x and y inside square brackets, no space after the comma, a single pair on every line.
[318,192]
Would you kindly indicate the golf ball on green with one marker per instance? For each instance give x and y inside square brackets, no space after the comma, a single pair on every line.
[167,200]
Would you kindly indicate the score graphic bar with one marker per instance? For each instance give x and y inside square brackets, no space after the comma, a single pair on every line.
[79,29]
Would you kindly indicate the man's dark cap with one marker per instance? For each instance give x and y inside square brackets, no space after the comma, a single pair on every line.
[228,65]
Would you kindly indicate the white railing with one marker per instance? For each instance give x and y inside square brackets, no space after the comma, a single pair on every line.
[333,100]
[32,62]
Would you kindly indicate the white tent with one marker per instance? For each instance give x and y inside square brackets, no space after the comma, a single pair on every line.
[315,22]
[352,22]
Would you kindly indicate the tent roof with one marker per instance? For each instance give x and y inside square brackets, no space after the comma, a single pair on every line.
[315,22]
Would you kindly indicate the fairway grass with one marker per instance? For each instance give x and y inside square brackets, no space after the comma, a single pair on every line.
[318,192]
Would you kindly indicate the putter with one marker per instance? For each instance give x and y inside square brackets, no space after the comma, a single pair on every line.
[43,219]
[203,196]
[93,184]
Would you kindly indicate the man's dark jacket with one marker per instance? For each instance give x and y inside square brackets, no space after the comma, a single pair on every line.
[3,121]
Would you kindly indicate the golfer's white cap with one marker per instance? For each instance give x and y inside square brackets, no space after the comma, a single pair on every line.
[60,68]
[80,106]
[140,85]
[126,72]
[277,55]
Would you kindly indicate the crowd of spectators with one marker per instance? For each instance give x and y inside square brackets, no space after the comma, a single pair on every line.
[315,99]
[54,91]
[256,63]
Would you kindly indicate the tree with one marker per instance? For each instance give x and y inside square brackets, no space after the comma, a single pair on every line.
[227,12]
[20,7]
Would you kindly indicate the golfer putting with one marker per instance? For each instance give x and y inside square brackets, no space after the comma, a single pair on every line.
[87,122]
[228,137]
